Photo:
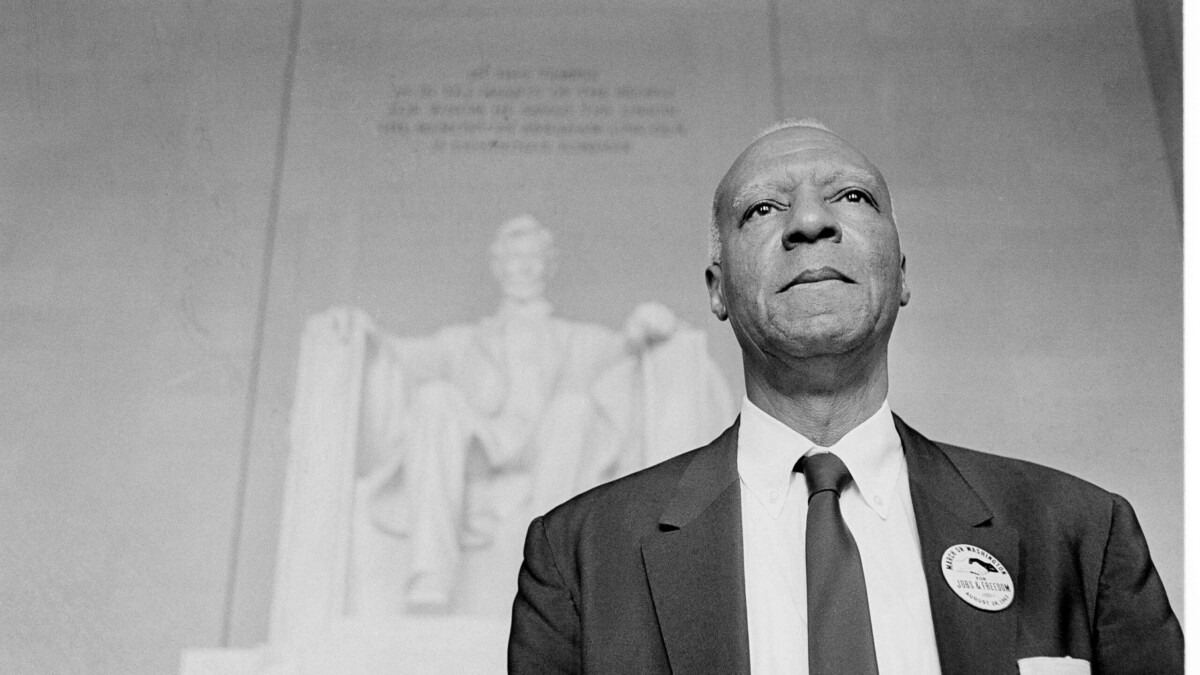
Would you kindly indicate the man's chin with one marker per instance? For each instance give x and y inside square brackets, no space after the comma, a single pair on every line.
[821,339]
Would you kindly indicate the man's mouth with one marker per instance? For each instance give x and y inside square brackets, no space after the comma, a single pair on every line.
[813,276]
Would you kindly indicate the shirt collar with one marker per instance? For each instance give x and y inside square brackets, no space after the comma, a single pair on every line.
[769,449]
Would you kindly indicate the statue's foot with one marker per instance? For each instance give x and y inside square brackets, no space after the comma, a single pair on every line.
[427,594]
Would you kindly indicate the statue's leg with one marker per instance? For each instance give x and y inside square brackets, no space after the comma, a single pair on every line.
[435,482]
[569,429]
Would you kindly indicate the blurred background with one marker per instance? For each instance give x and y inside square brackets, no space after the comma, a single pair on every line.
[185,183]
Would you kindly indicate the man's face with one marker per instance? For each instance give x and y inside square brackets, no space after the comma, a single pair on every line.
[522,268]
[810,259]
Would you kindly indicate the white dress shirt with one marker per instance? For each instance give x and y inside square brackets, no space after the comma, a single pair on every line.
[878,510]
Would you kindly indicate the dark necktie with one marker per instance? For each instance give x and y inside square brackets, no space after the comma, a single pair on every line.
[839,620]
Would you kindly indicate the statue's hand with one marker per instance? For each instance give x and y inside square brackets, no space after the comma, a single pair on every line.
[650,324]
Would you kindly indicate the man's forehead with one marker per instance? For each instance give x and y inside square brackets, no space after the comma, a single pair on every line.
[795,154]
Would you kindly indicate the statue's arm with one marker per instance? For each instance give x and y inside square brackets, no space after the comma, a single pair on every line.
[346,376]
[387,371]
[595,349]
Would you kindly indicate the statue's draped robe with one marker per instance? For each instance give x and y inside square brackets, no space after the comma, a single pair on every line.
[449,435]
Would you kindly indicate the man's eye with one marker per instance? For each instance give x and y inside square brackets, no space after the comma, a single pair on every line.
[760,209]
[856,196]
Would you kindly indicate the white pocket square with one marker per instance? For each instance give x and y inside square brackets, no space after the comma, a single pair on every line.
[1053,665]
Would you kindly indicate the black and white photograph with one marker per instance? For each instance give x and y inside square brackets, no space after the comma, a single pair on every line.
[361,337]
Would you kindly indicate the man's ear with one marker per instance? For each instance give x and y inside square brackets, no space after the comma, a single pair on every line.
[716,291]
[904,292]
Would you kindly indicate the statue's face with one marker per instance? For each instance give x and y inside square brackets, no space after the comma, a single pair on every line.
[522,268]
[810,259]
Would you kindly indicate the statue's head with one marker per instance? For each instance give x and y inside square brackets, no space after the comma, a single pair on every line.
[522,258]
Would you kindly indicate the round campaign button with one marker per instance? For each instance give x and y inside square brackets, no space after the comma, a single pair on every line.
[978,577]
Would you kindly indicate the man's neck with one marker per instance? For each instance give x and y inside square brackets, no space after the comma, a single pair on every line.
[823,402]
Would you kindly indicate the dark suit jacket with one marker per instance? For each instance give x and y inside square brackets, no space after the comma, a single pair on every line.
[644,574]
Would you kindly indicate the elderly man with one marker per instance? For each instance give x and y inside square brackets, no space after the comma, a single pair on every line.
[820,533]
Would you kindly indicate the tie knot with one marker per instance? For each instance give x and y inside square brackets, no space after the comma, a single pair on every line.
[824,471]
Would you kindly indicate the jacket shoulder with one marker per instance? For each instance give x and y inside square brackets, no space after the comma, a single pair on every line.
[1022,491]
[1025,474]
[632,502]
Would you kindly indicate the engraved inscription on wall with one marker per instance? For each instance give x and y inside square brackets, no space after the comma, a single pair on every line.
[536,110]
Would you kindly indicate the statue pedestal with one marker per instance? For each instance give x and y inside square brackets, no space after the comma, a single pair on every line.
[367,647]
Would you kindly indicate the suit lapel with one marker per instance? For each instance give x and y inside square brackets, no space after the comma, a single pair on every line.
[694,566]
[949,512]
[696,574]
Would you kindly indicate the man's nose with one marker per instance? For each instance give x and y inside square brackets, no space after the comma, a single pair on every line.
[812,220]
